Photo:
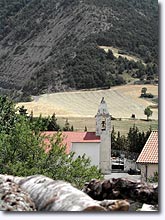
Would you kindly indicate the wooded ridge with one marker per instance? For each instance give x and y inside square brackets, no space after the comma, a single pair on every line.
[51,46]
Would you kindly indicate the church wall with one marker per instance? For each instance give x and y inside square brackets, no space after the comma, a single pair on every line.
[92,150]
[105,153]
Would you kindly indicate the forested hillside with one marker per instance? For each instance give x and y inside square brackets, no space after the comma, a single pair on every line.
[52,45]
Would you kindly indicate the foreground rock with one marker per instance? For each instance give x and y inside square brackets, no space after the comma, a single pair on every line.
[147,208]
[122,189]
[54,195]
[51,195]
[13,198]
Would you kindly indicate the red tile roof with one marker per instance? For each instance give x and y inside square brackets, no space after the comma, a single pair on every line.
[149,154]
[70,137]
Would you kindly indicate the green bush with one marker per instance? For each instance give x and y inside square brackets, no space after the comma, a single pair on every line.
[23,150]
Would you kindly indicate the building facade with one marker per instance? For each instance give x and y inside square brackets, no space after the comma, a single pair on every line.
[95,145]
[147,161]
[103,130]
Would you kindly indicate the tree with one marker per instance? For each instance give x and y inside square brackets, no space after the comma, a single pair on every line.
[53,126]
[72,128]
[148,112]
[143,91]
[23,151]
[67,126]
[113,138]
[136,139]
[23,110]
[110,55]
[7,114]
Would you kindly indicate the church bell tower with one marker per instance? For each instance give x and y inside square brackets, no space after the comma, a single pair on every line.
[103,129]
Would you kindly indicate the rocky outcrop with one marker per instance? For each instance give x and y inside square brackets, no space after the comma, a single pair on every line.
[13,198]
[122,189]
[21,193]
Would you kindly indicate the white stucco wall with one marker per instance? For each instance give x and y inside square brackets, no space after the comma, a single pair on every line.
[129,164]
[151,168]
[92,150]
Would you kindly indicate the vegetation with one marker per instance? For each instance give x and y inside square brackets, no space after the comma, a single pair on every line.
[144,93]
[154,178]
[67,126]
[133,142]
[73,60]
[22,150]
[148,112]
[125,34]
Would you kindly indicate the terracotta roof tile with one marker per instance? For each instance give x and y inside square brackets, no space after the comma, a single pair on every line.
[72,137]
[149,153]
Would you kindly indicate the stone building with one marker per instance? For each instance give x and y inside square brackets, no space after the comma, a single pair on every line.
[147,161]
[96,145]
[103,130]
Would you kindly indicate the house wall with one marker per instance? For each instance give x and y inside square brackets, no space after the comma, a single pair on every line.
[129,164]
[92,150]
[147,170]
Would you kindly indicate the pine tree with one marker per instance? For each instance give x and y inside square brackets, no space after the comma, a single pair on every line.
[67,126]
[53,126]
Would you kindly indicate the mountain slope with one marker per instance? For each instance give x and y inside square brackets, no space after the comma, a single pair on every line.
[52,45]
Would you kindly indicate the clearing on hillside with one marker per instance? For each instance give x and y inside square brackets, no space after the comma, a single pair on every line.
[122,101]
[116,53]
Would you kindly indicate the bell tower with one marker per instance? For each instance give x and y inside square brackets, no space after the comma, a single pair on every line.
[103,129]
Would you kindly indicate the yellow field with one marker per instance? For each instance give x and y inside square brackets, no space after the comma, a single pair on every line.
[122,101]
[119,125]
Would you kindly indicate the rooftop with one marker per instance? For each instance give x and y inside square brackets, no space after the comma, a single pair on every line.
[149,153]
[70,137]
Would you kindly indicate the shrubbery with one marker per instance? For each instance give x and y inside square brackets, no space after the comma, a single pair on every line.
[22,150]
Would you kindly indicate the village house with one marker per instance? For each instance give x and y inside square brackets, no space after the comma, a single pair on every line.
[147,161]
[95,145]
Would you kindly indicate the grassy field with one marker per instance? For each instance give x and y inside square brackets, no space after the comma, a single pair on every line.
[80,107]
[119,125]
[122,102]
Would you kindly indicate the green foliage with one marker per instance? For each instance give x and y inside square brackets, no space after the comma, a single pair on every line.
[67,126]
[154,178]
[75,59]
[133,142]
[23,150]
[53,126]
[23,110]
[135,17]
[143,90]
[7,114]
[144,93]
[148,112]
[136,140]
[41,123]
[9,8]
[76,170]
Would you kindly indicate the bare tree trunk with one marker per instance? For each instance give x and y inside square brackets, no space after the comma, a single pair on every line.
[122,189]
[52,195]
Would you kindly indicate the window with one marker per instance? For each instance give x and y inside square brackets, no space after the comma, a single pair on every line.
[103,124]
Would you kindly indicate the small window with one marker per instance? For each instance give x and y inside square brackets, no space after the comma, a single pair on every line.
[103,124]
